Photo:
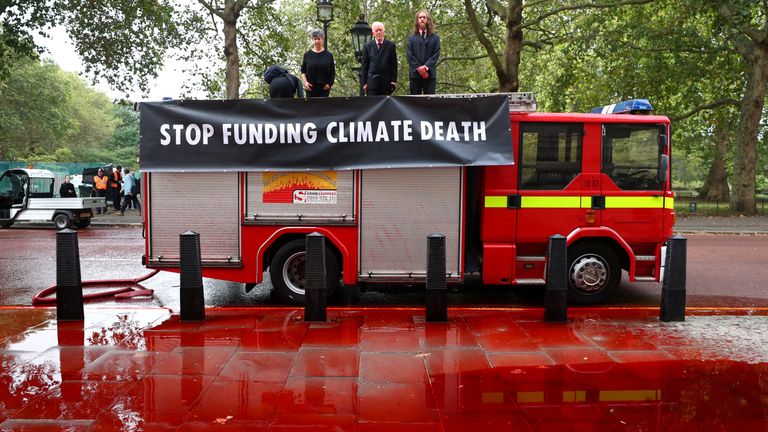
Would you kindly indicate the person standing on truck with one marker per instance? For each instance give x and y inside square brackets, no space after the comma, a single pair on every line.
[282,84]
[423,51]
[318,70]
[100,184]
[67,189]
[114,187]
[378,73]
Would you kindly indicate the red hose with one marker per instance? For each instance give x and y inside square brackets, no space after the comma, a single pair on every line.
[45,296]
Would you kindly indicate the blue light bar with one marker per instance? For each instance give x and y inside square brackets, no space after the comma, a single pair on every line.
[632,106]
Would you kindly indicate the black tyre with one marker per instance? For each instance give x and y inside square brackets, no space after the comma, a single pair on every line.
[287,271]
[83,223]
[6,224]
[62,221]
[594,272]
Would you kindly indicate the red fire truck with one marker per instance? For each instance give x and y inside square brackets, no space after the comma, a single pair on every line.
[600,179]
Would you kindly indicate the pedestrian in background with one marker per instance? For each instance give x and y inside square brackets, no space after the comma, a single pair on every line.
[115,179]
[129,192]
[67,189]
[378,73]
[100,187]
[318,70]
[423,51]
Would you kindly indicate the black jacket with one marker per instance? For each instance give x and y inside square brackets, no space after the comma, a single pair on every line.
[423,52]
[281,83]
[379,66]
[67,190]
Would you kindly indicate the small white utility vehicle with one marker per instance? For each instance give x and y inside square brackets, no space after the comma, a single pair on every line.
[26,195]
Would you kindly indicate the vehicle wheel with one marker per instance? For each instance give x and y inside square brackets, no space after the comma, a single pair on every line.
[62,221]
[287,271]
[594,272]
[83,223]
[6,224]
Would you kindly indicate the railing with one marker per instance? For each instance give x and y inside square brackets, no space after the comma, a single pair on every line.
[689,203]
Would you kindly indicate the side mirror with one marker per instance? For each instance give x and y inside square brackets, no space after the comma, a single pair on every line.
[663,143]
[663,169]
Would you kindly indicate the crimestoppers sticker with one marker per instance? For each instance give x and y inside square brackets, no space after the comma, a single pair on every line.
[302,196]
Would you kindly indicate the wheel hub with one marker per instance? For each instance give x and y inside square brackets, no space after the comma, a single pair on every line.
[589,274]
[293,272]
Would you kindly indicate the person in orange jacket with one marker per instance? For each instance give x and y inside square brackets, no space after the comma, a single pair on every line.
[115,184]
[100,185]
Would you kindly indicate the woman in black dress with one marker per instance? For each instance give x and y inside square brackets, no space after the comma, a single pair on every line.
[318,69]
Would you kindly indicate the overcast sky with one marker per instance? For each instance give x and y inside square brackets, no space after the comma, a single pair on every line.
[62,52]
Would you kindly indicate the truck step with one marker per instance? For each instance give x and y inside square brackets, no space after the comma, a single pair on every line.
[530,281]
[645,258]
[645,279]
[531,258]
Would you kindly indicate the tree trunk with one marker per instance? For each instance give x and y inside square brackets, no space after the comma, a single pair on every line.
[716,186]
[511,81]
[230,15]
[744,161]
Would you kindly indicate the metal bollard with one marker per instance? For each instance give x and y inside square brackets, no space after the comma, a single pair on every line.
[191,277]
[315,291]
[69,287]
[437,294]
[556,309]
[673,285]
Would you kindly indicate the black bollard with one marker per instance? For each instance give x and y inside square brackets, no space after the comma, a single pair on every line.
[556,309]
[673,285]
[69,286]
[191,277]
[437,294]
[315,303]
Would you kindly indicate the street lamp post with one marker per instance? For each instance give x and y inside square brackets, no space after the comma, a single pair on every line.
[361,35]
[325,15]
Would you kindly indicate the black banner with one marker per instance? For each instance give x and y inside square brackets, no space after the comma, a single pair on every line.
[324,133]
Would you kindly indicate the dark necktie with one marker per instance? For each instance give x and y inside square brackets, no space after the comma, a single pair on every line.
[378,46]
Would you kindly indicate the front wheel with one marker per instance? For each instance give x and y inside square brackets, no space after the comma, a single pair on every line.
[83,223]
[62,221]
[594,272]
[287,271]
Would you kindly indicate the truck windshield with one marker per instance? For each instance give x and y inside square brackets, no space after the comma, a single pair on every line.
[631,155]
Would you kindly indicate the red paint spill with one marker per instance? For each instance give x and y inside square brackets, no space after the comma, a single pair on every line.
[265,369]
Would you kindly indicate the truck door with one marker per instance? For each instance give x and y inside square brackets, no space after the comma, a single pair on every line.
[631,185]
[12,195]
[550,156]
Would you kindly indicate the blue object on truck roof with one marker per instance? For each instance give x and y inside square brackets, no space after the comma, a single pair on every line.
[625,107]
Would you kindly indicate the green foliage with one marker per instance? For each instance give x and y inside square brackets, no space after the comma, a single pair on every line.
[50,115]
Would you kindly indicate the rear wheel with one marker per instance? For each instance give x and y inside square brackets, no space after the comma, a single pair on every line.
[62,221]
[6,224]
[594,272]
[287,271]
[83,223]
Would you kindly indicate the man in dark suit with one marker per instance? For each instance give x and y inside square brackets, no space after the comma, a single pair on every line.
[423,50]
[378,74]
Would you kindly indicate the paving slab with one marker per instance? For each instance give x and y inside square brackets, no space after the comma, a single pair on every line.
[383,369]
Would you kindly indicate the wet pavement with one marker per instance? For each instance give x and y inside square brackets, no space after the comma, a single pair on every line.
[265,369]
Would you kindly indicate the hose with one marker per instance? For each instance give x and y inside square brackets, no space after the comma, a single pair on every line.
[45,296]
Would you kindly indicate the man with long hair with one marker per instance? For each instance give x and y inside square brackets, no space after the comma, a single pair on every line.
[423,51]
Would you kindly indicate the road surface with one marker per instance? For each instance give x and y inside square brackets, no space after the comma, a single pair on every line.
[723,271]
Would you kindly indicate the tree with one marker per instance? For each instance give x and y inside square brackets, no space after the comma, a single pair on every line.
[745,23]
[121,41]
[519,17]
[47,113]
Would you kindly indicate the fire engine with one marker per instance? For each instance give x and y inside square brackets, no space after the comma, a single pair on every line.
[601,179]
